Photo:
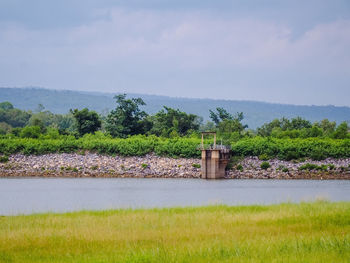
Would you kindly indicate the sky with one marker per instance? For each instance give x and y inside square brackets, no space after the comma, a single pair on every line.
[291,51]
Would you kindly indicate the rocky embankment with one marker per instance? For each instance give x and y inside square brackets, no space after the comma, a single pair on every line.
[95,165]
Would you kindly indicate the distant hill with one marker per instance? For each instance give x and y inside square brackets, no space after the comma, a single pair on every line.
[256,113]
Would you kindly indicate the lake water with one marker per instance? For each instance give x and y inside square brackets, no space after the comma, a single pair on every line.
[33,195]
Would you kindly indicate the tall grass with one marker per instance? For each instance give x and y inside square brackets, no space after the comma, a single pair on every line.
[307,232]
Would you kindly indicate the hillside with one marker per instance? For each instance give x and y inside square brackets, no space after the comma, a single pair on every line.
[256,113]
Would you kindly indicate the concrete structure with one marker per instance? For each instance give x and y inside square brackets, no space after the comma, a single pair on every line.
[214,159]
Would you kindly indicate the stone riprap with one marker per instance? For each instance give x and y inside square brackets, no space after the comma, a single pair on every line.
[95,165]
[252,170]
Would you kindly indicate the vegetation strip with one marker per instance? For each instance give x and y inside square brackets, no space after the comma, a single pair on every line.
[139,145]
[306,232]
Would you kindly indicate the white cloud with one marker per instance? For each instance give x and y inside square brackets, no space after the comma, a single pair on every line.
[168,41]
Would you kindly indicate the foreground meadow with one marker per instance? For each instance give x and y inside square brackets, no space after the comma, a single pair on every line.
[306,232]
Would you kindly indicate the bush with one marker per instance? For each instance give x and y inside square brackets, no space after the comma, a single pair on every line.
[311,166]
[234,161]
[318,155]
[52,133]
[144,165]
[331,166]
[179,147]
[285,149]
[289,149]
[30,132]
[239,167]
[264,157]
[265,165]
[308,166]
[4,159]
[285,170]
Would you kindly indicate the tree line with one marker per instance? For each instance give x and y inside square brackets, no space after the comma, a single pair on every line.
[129,119]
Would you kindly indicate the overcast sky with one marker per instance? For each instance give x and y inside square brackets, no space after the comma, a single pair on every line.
[295,52]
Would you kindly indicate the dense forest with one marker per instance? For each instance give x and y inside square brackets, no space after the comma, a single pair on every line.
[129,130]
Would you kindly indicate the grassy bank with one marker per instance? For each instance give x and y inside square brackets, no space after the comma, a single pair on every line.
[307,232]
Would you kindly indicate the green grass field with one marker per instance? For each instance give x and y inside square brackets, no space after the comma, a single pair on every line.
[306,232]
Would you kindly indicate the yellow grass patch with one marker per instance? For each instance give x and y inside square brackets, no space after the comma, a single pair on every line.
[306,232]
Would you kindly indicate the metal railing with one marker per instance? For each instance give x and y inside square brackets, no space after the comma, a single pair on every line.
[214,147]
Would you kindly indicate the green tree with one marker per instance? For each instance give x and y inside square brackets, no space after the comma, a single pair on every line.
[64,123]
[226,122]
[14,117]
[299,123]
[30,132]
[86,121]
[6,106]
[40,108]
[39,123]
[169,122]
[5,128]
[220,115]
[281,128]
[342,131]
[127,118]
[267,129]
[207,127]
[327,126]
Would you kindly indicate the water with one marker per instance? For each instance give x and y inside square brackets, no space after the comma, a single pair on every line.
[33,195]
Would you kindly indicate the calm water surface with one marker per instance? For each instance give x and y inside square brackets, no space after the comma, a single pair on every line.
[32,195]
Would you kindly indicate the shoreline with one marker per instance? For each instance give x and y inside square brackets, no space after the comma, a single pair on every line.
[301,176]
[91,165]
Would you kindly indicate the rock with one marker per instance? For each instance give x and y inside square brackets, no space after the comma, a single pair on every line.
[95,165]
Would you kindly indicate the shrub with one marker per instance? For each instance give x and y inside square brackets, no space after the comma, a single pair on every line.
[178,147]
[285,149]
[239,167]
[289,149]
[16,131]
[311,166]
[280,167]
[265,165]
[30,132]
[144,165]
[331,166]
[52,133]
[4,159]
[343,168]
[318,155]
[285,170]
[196,165]
[301,160]
[308,166]
[264,157]
[234,161]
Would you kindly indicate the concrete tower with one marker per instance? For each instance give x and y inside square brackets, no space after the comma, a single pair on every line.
[214,158]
